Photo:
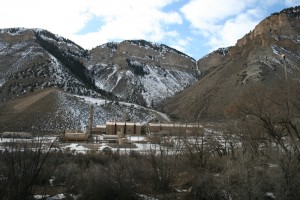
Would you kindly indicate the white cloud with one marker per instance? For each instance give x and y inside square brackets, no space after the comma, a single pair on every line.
[220,22]
[234,29]
[133,19]
[58,16]
[208,16]
[181,44]
[223,23]
[130,19]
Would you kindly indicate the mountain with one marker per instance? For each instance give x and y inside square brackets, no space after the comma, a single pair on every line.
[227,72]
[37,59]
[141,72]
[51,78]
[48,82]
[135,71]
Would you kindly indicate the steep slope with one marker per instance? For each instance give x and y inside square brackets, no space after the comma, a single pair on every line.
[47,82]
[135,71]
[53,110]
[141,72]
[34,59]
[229,71]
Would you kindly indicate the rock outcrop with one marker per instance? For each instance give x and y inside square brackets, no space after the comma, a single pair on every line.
[227,72]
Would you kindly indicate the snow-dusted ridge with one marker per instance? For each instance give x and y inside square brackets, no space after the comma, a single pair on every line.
[141,82]
[96,102]
[133,78]
[157,47]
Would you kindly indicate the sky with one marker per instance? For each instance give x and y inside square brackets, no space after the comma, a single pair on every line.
[195,27]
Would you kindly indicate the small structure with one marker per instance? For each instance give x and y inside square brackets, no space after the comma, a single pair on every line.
[74,136]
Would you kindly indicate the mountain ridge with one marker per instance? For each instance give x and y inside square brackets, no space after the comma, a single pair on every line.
[135,76]
[228,72]
[34,61]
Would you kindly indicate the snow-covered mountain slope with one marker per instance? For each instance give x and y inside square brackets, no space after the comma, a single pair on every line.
[47,82]
[53,110]
[135,71]
[33,59]
[141,72]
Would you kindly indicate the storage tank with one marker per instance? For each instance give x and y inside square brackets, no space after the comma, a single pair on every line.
[75,137]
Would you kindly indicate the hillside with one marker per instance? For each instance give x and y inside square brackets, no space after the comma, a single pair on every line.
[52,110]
[138,73]
[36,59]
[141,72]
[227,72]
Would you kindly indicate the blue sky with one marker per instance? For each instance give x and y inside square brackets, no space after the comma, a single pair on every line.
[195,27]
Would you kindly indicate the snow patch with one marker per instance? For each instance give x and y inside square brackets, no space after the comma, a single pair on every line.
[77,148]
[48,197]
[2,81]
[271,195]
[275,51]
[3,45]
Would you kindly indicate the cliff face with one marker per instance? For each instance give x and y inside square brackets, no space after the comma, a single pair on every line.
[33,59]
[276,26]
[229,71]
[141,72]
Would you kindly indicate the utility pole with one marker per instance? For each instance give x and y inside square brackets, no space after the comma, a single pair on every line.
[91,121]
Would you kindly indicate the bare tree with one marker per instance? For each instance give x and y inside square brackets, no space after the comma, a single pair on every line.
[22,166]
[163,162]
[276,114]
[197,149]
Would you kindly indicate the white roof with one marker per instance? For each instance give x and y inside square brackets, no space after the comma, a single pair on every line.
[133,123]
[123,123]
[174,125]
[100,126]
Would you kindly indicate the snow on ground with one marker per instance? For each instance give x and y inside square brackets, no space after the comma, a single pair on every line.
[136,138]
[275,51]
[76,148]
[270,195]
[160,84]
[2,81]
[3,45]
[99,102]
[104,84]
[48,197]
[144,197]
[156,83]
[139,144]
[56,64]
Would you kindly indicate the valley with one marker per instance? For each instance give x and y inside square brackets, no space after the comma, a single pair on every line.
[141,120]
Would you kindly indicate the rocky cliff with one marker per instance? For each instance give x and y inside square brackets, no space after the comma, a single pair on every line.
[141,72]
[227,72]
